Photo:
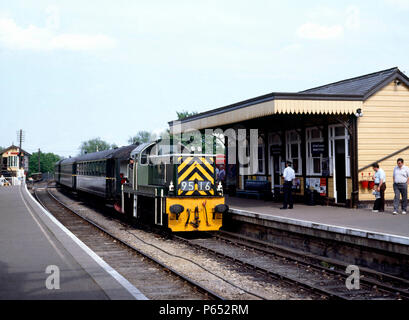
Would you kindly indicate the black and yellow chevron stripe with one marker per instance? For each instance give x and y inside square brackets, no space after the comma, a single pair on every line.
[196,169]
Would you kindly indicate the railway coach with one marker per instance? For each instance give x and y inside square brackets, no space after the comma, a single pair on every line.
[97,173]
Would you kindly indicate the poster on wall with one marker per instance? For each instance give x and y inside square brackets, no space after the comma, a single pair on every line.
[323,187]
[297,184]
[317,184]
[312,183]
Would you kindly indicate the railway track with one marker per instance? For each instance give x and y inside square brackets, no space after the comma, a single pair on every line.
[263,261]
[154,279]
[257,286]
[300,268]
[374,279]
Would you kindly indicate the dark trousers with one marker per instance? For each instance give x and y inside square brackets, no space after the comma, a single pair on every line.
[288,194]
[380,202]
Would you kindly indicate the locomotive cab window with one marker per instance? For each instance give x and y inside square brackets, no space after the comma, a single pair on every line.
[144,156]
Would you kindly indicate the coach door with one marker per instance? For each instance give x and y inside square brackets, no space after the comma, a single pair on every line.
[339,161]
[74,176]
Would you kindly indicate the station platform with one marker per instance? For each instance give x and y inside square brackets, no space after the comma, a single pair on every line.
[359,222]
[32,240]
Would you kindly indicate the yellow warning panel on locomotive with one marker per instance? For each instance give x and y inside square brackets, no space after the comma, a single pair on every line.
[196,176]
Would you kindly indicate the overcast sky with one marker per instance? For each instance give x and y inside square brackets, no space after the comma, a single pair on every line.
[74,70]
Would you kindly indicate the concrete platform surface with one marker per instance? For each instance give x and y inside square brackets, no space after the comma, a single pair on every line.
[32,240]
[360,222]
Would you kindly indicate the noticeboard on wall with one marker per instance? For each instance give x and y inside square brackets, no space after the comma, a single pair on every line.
[275,150]
[317,148]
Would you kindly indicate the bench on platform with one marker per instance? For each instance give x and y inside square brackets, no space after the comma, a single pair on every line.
[257,188]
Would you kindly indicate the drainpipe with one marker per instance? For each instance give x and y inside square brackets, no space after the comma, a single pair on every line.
[354,147]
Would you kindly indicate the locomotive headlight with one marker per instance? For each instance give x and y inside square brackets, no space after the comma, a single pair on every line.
[221,208]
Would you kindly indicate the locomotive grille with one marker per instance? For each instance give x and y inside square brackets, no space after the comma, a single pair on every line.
[196,176]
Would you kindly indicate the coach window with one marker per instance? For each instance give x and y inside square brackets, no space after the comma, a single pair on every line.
[293,149]
[102,169]
[314,145]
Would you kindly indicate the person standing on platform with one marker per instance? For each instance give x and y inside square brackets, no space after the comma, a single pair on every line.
[380,186]
[400,186]
[289,176]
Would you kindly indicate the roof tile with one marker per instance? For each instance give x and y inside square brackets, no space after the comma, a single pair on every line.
[354,86]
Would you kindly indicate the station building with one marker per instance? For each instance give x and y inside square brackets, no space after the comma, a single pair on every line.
[10,161]
[332,134]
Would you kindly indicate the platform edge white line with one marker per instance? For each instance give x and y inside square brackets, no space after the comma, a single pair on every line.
[107,268]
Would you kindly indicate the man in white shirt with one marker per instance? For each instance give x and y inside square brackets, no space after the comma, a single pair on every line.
[400,186]
[289,176]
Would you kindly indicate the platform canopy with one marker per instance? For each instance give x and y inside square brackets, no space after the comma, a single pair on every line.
[342,97]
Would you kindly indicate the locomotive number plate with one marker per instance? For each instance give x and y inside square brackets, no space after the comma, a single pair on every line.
[190,185]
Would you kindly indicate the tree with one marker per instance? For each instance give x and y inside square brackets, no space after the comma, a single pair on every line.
[184,114]
[94,145]
[142,137]
[47,162]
